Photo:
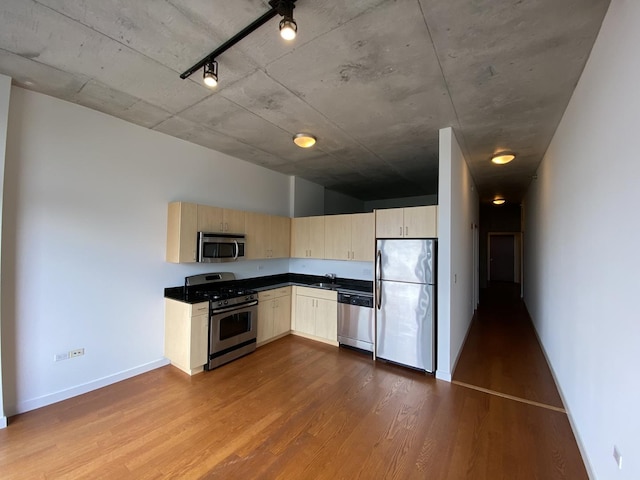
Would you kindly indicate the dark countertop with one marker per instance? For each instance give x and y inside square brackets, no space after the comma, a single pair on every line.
[276,281]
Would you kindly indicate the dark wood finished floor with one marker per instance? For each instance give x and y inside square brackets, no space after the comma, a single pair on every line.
[502,352]
[294,409]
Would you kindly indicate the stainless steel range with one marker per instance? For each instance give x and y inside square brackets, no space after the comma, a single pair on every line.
[233,316]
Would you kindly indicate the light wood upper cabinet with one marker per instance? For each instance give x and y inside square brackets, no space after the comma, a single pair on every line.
[307,237]
[350,237]
[337,237]
[421,222]
[220,220]
[268,236]
[182,233]
[186,335]
[409,222]
[280,236]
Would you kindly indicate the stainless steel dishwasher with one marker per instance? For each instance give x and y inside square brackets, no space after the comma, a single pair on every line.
[355,320]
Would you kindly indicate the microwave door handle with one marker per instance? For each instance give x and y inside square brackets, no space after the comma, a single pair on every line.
[235,257]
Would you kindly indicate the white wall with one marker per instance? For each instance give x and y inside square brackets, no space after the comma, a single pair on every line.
[308,198]
[401,202]
[84,242]
[336,203]
[458,209]
[343,269]
[5,94]
[581,249]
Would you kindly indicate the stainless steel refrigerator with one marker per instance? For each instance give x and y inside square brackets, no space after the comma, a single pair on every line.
[406,302]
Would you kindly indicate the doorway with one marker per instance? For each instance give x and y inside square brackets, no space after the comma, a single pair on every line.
[504,257]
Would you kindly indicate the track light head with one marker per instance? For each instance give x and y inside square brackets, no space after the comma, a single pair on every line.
[288,28]
[211,74]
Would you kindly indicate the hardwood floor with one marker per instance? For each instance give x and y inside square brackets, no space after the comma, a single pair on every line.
[502,352]
[294,409]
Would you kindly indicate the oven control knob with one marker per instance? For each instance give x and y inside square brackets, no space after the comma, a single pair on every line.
[220,303]
[226,302]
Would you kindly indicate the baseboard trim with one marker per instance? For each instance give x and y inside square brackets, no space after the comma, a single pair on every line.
[55,397]
[572,424]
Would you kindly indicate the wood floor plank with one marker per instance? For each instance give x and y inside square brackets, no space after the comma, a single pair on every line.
[294,409]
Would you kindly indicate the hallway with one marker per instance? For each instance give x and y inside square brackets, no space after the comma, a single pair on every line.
[502,356]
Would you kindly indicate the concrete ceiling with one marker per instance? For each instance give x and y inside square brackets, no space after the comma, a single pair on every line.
[374,80]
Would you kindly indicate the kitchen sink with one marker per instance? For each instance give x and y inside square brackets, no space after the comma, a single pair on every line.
[325,285]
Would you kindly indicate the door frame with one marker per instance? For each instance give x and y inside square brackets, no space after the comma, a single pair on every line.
[517,253]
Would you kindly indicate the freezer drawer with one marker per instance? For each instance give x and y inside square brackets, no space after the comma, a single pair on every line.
[405,324]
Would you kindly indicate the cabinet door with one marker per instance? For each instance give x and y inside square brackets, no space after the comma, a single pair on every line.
[337,237]
[210,219]
[420,222]
[282,315]
[327,319]
[233,221]
[390,223]
[256,231]
[306,314]
[316,237]
[199,340]
[299,237]
[363,241]
[182,232]
[280,237]
[265,321]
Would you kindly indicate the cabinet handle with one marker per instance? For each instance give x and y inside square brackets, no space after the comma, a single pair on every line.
[400,231]
[221,227]
[226,227]
[406,231]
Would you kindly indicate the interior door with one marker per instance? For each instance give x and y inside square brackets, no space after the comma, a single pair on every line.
[501,258]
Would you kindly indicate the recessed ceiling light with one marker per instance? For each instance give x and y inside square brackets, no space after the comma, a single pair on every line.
[499,201]
[304,140]
[502,158]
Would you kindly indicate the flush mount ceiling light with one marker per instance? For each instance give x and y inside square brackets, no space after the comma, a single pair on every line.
[499,201]
[211,74]
[502,158]
[288,30]
[304,140]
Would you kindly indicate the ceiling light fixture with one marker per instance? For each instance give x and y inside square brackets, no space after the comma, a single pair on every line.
[288,29]
[211,74]
[304,140]
[502,158]
[499,201]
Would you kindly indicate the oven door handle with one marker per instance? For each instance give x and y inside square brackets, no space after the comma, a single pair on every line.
[235,257]
[233,307]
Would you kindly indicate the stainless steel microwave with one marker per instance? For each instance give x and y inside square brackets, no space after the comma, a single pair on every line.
[220,247]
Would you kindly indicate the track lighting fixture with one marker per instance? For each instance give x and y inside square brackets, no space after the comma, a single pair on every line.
[288,30]
[211,74]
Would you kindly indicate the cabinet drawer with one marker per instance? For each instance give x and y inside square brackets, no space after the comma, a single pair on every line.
[199,308]
[317,293]
[275,293]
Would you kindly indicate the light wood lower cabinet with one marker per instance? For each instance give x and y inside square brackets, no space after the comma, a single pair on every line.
[315,314]
[186,331]
[274,314]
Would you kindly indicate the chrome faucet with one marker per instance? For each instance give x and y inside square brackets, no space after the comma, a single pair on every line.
[331,276]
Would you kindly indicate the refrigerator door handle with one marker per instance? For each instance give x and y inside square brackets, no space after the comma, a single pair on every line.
[378,282]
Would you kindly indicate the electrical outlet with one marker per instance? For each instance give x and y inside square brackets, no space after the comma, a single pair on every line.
[76,353]
[617,457]
[58,357]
